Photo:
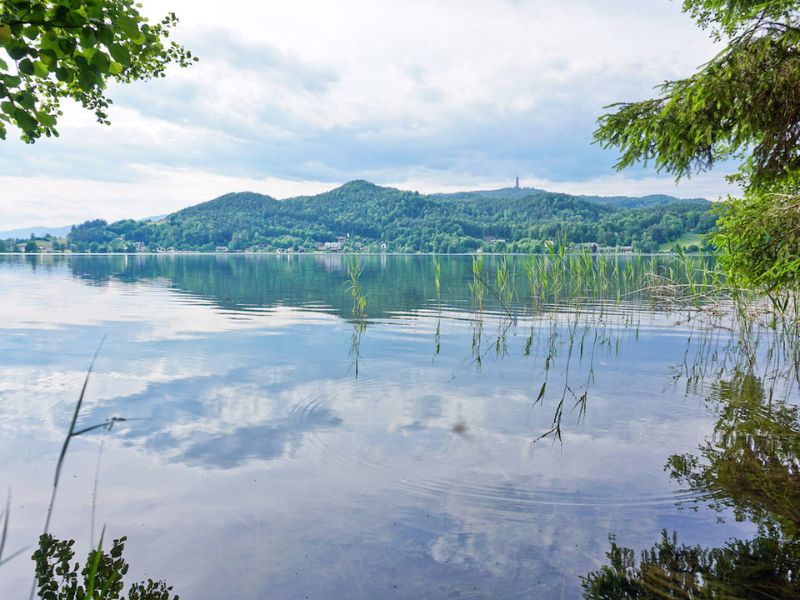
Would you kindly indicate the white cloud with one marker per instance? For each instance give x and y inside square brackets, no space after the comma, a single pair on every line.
[296,97]
[154,191]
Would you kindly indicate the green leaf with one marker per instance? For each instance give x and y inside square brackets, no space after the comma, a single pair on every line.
[86,80]
[64,75]
[26,66]
[101,61]
[31,32]
[120,54]
[87,37]
[48,57]
[40,69]
[83,44]
[17,50]
[27,100]
[49,41]
[11,81]
[45,119]
[129,25]
[105,35]
[25,121]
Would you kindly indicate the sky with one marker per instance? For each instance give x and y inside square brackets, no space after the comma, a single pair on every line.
[299,97]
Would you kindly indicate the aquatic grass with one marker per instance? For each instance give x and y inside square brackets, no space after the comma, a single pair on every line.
[5,516]
[91,576]
[505,282]
[437,283]
[503,294]
[354,272]
[94,492]
[477,336]
[437,279]
[477,286]
[530,265]
[71,433]
[359,327]
[56,577]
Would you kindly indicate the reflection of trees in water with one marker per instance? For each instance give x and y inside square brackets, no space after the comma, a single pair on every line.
[397,283]
[765,567]
[750,465]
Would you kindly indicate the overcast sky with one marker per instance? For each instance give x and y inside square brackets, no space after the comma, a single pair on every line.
[301,96]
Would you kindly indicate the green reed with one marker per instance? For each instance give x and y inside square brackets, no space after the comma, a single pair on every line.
[477,286]
[437,283]
[55,577]
[688,285]
[437,279]
[6,516]
[505,283]
[354,272]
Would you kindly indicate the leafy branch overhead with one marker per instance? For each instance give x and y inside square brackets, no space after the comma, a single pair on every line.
[743,104]
[56,49]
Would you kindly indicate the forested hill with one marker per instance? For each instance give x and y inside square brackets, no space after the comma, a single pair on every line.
[360,215]
[614,201]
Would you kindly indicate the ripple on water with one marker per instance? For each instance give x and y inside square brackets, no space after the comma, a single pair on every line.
[477,479]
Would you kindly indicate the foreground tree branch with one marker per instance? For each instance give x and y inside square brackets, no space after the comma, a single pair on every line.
[56,49]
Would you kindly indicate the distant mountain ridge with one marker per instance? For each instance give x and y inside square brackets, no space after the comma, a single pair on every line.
[43,230]
[36,230]
[360,215]
[522,192]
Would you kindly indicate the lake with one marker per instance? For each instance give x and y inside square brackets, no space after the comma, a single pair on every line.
[461,439]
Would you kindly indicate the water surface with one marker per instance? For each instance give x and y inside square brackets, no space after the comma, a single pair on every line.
[275,446]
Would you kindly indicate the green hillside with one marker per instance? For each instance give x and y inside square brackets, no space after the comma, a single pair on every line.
[363,216]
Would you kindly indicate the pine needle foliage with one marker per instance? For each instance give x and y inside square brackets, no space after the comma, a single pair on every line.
[742,105]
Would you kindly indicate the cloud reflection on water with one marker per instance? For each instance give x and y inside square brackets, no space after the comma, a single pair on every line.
[250,439]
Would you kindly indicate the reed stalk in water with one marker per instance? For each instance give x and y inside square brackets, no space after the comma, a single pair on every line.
[354,271]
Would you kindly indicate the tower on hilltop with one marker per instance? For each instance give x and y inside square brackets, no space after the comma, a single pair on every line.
[516,185]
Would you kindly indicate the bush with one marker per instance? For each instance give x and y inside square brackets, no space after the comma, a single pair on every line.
[57,577]
[758,240]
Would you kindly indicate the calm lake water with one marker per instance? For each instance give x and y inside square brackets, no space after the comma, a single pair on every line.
[275,447]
